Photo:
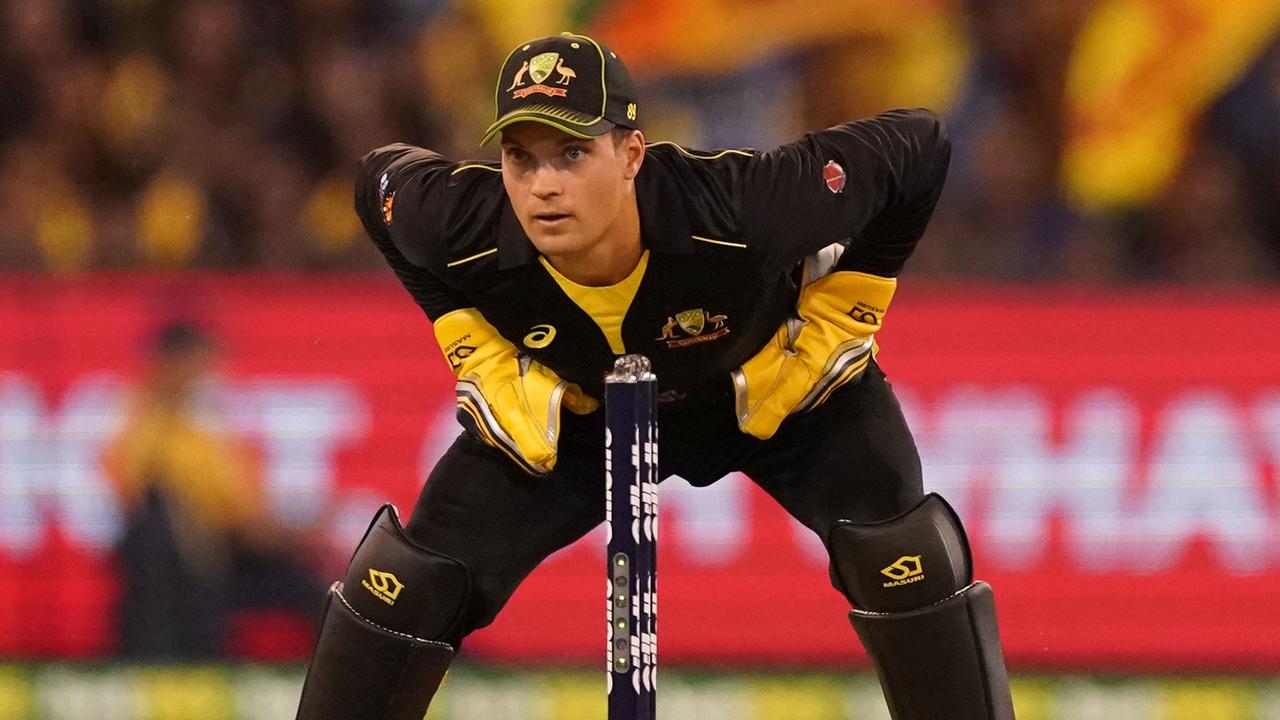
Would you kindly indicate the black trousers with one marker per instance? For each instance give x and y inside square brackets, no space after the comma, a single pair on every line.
[852,458]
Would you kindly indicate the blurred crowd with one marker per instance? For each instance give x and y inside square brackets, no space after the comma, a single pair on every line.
[221,134]
[195,133]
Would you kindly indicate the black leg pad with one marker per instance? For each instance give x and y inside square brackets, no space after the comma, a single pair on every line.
[941,662]
[362,671]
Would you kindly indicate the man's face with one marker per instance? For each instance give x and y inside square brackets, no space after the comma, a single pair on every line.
[567,192]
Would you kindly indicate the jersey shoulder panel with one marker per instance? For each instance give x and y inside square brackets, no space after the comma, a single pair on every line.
[431,210]
[709,183]
[474,201]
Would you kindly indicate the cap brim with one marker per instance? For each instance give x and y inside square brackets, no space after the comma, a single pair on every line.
[575,124]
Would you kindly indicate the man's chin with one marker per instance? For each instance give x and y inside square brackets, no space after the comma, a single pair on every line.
[555,243]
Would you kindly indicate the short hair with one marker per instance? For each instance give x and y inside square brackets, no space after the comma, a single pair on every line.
[620,133]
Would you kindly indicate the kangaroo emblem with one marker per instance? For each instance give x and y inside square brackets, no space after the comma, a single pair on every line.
[566,74]
[519,76]
[669,330]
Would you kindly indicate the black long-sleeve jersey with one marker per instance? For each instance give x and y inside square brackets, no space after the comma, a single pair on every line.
[723,233]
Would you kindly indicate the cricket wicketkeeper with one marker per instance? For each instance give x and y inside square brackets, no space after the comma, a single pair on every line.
[755,281]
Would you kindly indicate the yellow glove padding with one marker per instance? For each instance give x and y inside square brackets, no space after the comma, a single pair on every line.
[827,345]
[504,397]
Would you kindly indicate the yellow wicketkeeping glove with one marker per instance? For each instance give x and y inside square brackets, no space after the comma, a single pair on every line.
[828,344]
[504,397]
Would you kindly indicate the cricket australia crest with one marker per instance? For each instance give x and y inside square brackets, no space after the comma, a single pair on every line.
[692,324]
[692,321]
[539,68]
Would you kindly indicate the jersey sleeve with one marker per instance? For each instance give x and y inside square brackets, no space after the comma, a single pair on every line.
[400,198]
[873,181]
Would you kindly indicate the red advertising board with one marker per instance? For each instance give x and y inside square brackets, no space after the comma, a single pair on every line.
[1114,455]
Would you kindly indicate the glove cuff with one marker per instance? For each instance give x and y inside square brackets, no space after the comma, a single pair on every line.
[795,372]
[862,296]
[466,338]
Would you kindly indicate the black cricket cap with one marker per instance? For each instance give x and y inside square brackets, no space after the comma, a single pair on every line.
[568,81]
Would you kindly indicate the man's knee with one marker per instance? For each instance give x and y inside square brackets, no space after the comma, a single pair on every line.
[386,640]
[906,562]
[492,574]
[929,629]
[399,585]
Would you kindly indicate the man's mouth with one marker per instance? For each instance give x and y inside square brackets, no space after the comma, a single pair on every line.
[551,218]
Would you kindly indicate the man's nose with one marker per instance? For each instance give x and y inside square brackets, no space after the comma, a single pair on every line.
[546,182]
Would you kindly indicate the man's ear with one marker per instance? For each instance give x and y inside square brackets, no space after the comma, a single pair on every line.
[633,149]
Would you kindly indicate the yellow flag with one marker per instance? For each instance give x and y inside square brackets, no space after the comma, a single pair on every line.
[1141,73]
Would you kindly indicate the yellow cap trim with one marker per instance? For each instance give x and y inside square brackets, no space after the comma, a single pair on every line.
[497,85]
[604,86]
[533,117]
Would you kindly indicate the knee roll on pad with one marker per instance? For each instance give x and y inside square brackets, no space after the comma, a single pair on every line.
[398,585]
[904,563]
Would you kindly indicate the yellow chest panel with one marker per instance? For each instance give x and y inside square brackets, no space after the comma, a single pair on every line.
[607,305]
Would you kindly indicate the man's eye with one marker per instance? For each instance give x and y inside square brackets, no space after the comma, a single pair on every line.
[575,153]
[517,155]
